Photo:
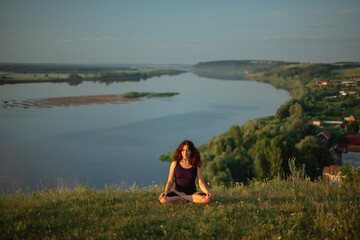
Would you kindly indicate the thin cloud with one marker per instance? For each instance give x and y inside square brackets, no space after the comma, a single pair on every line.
[277,14]
[350,11]
[102,38]
[109,38]
[272,38]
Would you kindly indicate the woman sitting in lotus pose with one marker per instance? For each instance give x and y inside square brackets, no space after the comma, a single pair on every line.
[185,167]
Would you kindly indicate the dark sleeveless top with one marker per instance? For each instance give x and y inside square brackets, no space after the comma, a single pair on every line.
[185,179]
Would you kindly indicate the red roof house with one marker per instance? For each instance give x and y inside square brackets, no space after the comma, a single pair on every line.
[324,135]
[354,139]
[324,81]
[331,173]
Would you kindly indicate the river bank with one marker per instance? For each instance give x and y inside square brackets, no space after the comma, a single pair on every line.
[76,74]
[261,147]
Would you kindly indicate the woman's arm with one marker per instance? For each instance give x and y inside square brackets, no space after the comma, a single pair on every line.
[202,184]
[170,180]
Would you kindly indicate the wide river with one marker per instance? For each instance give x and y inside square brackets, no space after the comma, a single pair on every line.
[119,143]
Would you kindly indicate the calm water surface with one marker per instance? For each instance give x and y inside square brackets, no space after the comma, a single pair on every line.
[119,143]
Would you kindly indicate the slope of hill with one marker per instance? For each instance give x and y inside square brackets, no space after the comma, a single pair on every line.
[261,147]
[261,210]
[231,69]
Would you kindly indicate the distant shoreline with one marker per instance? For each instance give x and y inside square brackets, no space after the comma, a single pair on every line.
[70,80]
[72,74]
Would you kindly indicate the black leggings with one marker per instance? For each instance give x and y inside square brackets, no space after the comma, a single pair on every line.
[172,194]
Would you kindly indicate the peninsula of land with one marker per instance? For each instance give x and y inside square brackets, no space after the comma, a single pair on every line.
[83,100]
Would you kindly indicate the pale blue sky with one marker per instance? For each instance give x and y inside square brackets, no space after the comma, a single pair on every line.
[170,31]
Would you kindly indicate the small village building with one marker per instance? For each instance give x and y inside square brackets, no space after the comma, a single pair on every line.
[354,139]
[343,148]
[332,174]
[325,136]
[352,158]
[353,148]
[352,154]
[349,83]
[322,82]
[343,93]
[317,122]
[330,97]
[350,119]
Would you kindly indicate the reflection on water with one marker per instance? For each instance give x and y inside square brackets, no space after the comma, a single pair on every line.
[120,143]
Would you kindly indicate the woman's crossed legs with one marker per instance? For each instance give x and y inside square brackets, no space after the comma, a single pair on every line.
[177,197]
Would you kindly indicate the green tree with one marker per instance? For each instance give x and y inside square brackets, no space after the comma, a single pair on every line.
[261,164]
[352,101]
[274,157]
[296,109]
[218,172]
[353,126]
[312,154]
[282,112]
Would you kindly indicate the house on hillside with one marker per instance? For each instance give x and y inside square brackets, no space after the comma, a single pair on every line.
[322,82]
[349,83]
[332,174]
[345,93]
[353,148]
[317,122]
[350,119]
[325,136]
[354,139]
[352,158]
[330,97]
[352,155]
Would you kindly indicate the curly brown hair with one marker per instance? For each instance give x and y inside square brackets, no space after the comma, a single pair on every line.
[195,158]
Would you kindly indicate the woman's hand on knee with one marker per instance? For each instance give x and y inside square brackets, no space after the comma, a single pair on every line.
[162,195]
[207,198]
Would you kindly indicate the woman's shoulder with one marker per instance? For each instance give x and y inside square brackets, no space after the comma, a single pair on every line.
[173,163]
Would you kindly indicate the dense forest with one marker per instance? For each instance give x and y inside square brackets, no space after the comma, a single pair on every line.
[261,148]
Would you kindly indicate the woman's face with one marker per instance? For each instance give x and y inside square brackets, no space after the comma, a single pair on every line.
[186,152]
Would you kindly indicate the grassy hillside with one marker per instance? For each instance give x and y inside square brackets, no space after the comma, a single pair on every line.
[261,147]
[289,206]
[231,69]
[274,209]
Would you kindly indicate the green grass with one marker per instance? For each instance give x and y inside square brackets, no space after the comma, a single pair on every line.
[260,210]
[350,72]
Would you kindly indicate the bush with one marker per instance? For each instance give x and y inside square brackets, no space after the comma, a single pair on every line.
[349,175]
